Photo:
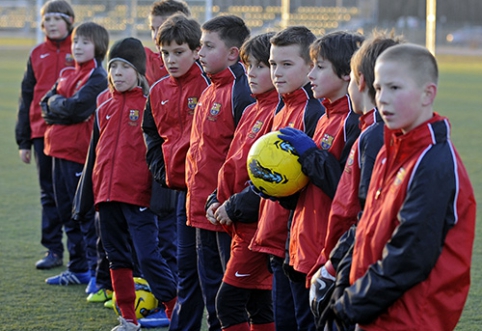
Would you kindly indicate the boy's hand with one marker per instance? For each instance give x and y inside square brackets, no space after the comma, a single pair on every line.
[300,141]
[210,213]
[25,155]
[222,216]
[322,286]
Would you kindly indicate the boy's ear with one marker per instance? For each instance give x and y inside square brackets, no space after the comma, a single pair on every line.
[233,54]
[429,93]
[196,53]
[346,78]
[362,84]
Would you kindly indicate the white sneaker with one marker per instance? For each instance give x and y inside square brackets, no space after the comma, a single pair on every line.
[126,326]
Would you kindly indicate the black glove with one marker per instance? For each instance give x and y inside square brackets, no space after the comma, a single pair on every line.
[321,290]
[293,275]
[330,318]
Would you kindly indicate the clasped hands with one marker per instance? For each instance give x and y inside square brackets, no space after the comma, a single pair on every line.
[216,214]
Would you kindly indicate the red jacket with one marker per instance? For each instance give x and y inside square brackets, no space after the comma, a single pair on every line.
[302,111]
[155,68]
[413,246]
[215,118]
[167,124]
[334,135]
[117,151]
[69,140]
[43,68]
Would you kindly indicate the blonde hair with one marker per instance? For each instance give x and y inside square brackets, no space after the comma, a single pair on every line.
[141,82]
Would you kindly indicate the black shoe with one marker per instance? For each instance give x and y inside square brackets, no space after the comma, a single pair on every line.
[50,261]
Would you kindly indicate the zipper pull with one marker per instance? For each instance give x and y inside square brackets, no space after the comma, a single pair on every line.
[377,194]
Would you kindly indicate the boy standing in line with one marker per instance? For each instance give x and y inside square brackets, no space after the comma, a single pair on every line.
[215,118]
[290,64]
[244,300]
[406,246]
[167,128]
[67,108]
[43,68]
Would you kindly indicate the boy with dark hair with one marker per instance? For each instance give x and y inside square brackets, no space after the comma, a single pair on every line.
[167,127]
[244,299]
[289,67]
[45,62]
[407,247]
[67,109]
[215,118]
[352,189]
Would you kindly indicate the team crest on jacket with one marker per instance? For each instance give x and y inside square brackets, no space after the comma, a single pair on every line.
[191,104]
[255,129]
[213,113]
[326,141]
[69,59]
[400,176]
[350,161]
[133,117]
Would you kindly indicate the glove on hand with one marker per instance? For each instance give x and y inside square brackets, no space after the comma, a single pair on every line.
[300,141]
[322,287]
[329,317]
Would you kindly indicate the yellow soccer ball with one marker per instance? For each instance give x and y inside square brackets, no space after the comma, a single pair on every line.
[145,300]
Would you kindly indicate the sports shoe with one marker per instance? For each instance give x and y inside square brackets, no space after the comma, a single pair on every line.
[157,318]
[92,286]
[69,278]
[109,304]
[126,326]
[51,260]
[101,295]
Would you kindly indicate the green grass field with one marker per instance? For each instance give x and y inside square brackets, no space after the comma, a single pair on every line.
[27,303]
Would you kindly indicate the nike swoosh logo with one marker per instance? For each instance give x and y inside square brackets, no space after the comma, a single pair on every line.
[78,174]
[163,102]
[237,274]
[43,56]
[321,283]
[108,117]
[141,209]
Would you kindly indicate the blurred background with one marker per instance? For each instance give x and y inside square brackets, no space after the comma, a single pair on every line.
[458,23]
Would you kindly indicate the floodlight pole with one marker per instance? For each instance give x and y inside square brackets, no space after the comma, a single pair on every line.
[285,13]
[431,22]
[39,34]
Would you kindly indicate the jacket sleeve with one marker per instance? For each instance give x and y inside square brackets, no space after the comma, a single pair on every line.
[82,104]
[154,155]
[416,243]
[243,206]
[84,195]
[22,127]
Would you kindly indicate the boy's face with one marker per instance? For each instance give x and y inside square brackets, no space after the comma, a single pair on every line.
[178,59]
[214,55]
[355,95]
[122,76]
[289,71]
[54,26]
[402,102]
[324,81]
[154,23]
[83,49]
[259,76]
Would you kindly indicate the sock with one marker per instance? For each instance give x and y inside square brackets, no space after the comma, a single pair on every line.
[170,307]
[262,327]
[125,293]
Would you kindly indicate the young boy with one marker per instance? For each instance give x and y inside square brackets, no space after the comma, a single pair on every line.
[407,247]
[43,68]
[323,157]
[167,127]
[215,118]
[67,109]
[244,299]
[290,64]
[352,189]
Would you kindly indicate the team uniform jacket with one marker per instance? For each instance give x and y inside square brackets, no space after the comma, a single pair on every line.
[116,168]
[411,260]
[155,68]
[352,189]
[301,111]
[216,116]
[43,68]
[69,136]
[167,125]
[334,135]
[245,268]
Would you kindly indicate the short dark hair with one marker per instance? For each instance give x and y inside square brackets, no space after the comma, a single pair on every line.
[59,6]
[180,29]
[97,34]
[338,48]
[258,47]
[363,61]
[231,29]
[169,7]
[295,35]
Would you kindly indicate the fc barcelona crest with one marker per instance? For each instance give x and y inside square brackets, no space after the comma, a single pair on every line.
[191,102]
[133,115]
[326,141]
[255,129]
[213,113]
